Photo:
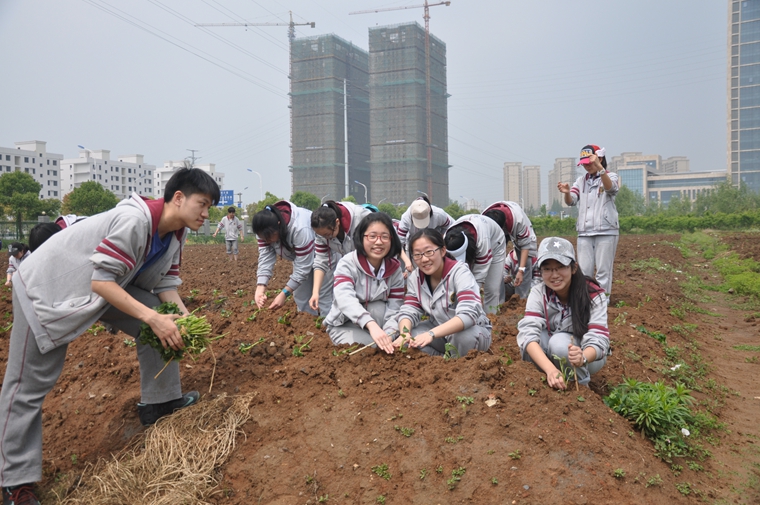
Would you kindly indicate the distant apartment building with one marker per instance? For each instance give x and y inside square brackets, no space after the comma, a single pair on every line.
[532,188]
[513,181]
[650,162]
[163,174]
[329,92]
[32,158]
[398,115]
[565,170]
[122,177]
[659,188]
[743,94]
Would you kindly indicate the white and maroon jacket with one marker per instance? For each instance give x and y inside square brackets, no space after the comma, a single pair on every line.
[440,220]
[597,214]
[544,310]
[355,286]
[490,242]
[456,295]
[300,237]
[512,265]
[329,252]
[518,226]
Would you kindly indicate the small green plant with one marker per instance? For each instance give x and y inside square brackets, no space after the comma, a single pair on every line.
[299,348]
[658,336]
[193,294]
[746,347]
[676,469]
[348,350]
[619,473]
[439,469]
[693,465]
[382,471]
[621,319]
[494,481]
[654,481]
[467,400]
[225,313]
[490,452]
[244,347]
[216,292]
[515,455]
[450,351]
[74,459]
[581,399]
[566,371]
[285,319]
[318,322]
[130,342]
[423,473]
[220,300]
[380,499]
[532,392]
[341,393]
[752,359]
[684,488]
[450,440]
[620,304]
[95,329]
[255,314]
[309,479]
[240,293]
[407,432]
[456,476]
[323,499]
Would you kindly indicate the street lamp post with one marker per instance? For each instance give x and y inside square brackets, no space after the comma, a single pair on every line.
[365,191]
[322,200]
[261,184]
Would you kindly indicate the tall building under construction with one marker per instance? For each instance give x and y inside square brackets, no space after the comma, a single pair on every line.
[398,115]
[322,68]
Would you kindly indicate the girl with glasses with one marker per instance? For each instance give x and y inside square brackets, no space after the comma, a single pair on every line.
[369,286]
[284,229]
[445,291]
[565,323]
[334,225]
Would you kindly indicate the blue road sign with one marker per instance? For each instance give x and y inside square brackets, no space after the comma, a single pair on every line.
[226,198]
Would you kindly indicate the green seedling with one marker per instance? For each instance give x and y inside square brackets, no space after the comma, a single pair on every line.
[532,392]
[382,471]
[345,351]
[439,469]
[95,329]
[676,469]
[130,342]
[566,372]
[216,292]
[193,294]
[240,293]
[245,347]
[380,499]
[515,455]
[581,399]
[654,481]
[407,432]
[323,499]
[272,292]
[494,481]
[450,351]
[619,473]
[456,476]
[423,473]
[255,314]
[74,459]
[220,300]
[467,400]
[299,348]
[285,319]
[225,313]
[318,322]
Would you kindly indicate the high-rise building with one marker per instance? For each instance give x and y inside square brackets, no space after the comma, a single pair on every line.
[32,158]
[564,170]
[513,181]
[163,174]
[329,89]
[398,115]
[532,188]
[743,79]
[122,177]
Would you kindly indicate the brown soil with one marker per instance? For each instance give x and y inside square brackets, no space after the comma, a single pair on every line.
[321,422]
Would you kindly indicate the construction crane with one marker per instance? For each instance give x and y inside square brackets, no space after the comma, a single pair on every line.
[291,37]
[428,112]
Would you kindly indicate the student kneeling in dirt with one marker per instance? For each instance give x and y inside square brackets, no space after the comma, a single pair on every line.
[445,290]
[114,267]
[566,309]
[368,287]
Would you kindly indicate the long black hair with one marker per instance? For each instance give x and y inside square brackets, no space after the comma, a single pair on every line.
[270,221]
[497,216]
[455,238]
[432,235]
[325,216]
[582,287]
[384,219]
[40,233]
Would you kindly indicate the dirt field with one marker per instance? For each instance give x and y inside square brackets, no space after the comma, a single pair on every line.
[321,422]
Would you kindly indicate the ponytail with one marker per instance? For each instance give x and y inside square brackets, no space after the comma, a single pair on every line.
[326,215]
[582,287]
[269,221]
[455,239]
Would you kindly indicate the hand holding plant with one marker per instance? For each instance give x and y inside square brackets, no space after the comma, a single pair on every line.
[382,339]
[260,296]
[575,355]
[555,380]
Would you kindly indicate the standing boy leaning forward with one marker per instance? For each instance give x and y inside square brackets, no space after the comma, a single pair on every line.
[232,226]
[111,267]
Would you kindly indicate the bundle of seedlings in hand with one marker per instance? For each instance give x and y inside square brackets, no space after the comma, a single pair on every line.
[194,331]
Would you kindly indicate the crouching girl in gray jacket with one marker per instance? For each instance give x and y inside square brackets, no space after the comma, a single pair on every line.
[446,291]
[368,287]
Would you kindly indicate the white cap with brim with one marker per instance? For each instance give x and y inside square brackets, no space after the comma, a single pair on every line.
[555,248]
[461,253]
[420,211]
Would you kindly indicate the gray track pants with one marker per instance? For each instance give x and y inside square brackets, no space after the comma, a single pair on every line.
[349,333]
[474,337]
[303,293]
[30,376]
[493,295]
[557,346]
[598,251]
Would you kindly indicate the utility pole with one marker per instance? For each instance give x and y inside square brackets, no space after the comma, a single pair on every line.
[240,200]
[193,157]
[428,112]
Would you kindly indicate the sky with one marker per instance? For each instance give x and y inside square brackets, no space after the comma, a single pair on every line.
[530,81]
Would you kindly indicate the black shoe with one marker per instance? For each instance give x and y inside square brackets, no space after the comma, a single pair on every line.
[20,495]
[152,412]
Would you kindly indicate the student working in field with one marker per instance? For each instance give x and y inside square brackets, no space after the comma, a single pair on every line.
[369,286]
[284,229]
[565,323]
[334,224]
[115,267]
[17,252]
[232,227]
[445,291]
[420,214]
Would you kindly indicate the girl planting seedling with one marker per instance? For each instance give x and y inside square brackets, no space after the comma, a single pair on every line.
[565,318]
[369,286]
[445,291]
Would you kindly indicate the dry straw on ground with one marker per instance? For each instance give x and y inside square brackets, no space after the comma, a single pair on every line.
[172,462]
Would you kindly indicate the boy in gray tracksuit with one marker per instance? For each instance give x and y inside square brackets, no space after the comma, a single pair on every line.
[114,267]
[597,224]
[232,227]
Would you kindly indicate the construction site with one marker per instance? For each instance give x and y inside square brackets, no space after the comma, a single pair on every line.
[395,145]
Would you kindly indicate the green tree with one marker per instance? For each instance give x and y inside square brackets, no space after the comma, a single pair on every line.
[678,206]
[305,200]
[89,199]
[269,199]
[390,209]
[629,203]
[215,214]
[19,194]
[350,198]
[455,210]
[543,211]
[727,199]
[557,207]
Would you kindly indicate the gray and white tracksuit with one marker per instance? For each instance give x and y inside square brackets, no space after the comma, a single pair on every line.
[53,304]
[457,295]
[232,228]
[491,252]
[440,220]
[329,252]
[519,230]
[301,238]
[549,322]
[14,262]
[597,225]
[361,295]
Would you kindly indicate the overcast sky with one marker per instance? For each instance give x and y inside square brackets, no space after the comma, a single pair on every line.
[530,80]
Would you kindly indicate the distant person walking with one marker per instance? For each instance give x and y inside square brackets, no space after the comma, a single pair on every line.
[231,226]
[597,225]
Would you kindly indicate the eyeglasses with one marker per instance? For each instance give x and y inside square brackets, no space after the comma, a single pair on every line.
[552,271]
[428,254]
[372,237]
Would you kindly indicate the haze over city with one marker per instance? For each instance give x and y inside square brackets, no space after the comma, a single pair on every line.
[529,81]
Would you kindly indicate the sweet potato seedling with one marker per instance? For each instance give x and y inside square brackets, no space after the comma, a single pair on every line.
[382,471]
[456,476]
[348,350]
[449,351]
[255,314]
[285,319]
[299,348]
[244,347]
